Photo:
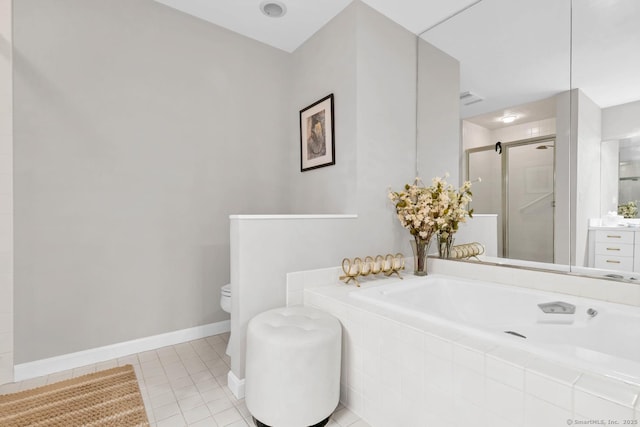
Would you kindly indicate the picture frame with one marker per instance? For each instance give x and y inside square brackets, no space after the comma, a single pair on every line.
[317,135]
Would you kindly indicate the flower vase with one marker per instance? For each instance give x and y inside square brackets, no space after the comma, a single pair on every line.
[444,245]
[420,249]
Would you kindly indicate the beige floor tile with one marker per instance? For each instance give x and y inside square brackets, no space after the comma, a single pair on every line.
[184,385]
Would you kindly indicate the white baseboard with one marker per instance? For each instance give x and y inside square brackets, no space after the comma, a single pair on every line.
[38,368]
[236,385]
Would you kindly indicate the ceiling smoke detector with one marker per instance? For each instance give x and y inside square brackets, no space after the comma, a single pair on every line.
[273,9]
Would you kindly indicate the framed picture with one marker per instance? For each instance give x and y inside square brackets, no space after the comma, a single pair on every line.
[317,144]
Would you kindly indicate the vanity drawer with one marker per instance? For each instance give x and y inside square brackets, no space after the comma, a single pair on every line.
[614,249]
[614,236]
[614,262]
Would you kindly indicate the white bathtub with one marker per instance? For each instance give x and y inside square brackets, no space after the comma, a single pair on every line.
[607,343]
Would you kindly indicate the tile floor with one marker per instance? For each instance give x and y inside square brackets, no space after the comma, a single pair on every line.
[184,385]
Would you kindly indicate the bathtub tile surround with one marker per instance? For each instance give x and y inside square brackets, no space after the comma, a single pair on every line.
[399,368]
[600,395]
[551,382]
[298,281]
[506,364]
[542,413]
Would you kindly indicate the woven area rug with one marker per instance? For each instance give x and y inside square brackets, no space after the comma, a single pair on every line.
[105,398]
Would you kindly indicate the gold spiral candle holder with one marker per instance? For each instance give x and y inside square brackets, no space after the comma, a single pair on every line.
[357,267]
[466,251]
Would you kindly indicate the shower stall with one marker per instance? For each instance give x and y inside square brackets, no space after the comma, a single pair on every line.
[517,183]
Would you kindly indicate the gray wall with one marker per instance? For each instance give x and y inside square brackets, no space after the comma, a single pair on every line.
[563,229]
[369,63]
[439,143]
[620,121]
[324,64]
[6,196]
[386,120]
[578,138]
[587,139]
[138,130]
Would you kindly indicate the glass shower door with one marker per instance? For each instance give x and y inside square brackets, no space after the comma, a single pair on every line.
[487,194]
[529,192]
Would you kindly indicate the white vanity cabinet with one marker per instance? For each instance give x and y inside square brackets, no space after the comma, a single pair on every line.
[614,248]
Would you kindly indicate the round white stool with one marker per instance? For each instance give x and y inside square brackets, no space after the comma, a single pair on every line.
[292,374]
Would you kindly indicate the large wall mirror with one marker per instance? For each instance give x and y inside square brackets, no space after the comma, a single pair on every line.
[549,118]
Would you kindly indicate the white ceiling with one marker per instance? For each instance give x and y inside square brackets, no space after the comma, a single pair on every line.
[305,17]
[528,112]
[511,52]
[606,52]
[514,52]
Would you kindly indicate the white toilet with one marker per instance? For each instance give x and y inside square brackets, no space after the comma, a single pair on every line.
[225,304]
[225,297]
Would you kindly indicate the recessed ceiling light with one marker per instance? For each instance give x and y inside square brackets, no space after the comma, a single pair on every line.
[273,9]
[509,118]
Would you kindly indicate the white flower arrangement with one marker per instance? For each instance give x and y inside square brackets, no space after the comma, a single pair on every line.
[628,210]
[439,208]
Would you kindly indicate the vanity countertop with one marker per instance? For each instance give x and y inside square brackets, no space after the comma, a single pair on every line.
[615,228]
